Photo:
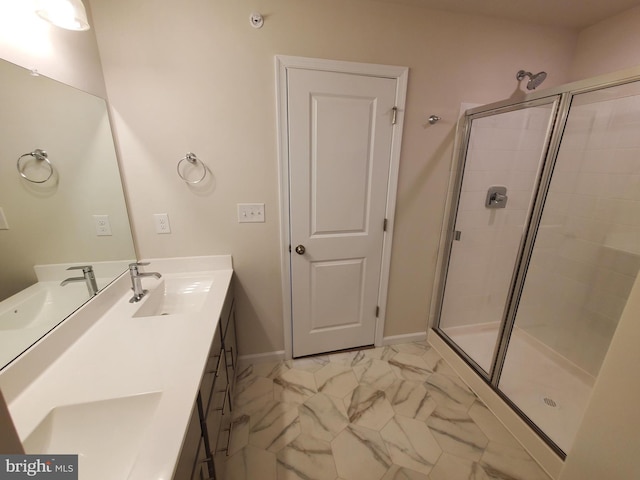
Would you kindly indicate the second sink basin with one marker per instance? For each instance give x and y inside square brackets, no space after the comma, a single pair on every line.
[106,434]
[176,294]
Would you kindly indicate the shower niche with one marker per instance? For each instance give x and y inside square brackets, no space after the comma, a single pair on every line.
[530,294]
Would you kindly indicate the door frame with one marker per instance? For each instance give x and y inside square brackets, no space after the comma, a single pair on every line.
[400,74]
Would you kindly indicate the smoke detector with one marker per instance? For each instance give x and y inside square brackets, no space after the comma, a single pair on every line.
[256,20]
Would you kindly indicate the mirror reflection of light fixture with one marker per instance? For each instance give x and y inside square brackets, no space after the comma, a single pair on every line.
[68,14]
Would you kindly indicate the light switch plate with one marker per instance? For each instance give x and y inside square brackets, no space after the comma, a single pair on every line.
[103,226]
[162,223]
[3,221]
[251,213]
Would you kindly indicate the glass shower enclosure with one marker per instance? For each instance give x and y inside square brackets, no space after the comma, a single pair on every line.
[543,246]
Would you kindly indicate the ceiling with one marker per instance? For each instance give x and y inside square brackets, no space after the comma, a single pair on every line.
[576,14]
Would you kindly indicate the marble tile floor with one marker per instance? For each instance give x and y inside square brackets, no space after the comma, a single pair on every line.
[391,413]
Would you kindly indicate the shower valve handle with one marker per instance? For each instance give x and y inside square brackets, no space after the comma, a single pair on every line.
[498,197]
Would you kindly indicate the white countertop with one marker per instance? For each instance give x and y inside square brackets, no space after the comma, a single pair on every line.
[119,356]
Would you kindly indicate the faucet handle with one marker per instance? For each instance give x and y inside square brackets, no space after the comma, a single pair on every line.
[133,267]
[139,264]
[84,268]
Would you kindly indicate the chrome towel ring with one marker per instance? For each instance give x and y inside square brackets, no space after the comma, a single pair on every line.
[193,160]
[39,155]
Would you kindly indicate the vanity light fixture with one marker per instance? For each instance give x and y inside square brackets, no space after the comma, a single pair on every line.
[67,14]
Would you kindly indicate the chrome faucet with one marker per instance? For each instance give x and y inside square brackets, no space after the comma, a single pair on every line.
[87,276]
[136,276]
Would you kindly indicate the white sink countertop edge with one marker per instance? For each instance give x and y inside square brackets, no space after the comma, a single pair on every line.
[120,356]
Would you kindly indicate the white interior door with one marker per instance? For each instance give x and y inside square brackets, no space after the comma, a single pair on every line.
[340,130]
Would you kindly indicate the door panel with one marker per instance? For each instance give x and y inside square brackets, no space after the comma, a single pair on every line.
[344,162]
[340,134]
[329,307]
[505,150]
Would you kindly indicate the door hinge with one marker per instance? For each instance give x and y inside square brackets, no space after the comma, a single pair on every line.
[457,235]
[394,115]
[377,311]
[384,225]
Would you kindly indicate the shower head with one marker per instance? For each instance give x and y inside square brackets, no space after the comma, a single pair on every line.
[534,80]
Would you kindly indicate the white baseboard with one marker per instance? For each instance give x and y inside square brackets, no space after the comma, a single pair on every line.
[405,338]
[280,354]
[261,358]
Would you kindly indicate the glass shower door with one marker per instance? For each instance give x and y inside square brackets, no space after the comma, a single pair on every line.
[585,258]
[504,153]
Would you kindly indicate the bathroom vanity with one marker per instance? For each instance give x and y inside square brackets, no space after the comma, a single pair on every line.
[139,389]
[206,443]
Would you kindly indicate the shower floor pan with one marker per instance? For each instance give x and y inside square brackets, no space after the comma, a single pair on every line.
[550,390]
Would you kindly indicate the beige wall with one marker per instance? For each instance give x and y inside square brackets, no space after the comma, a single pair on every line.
[66,56]
[199,78]
[608,46]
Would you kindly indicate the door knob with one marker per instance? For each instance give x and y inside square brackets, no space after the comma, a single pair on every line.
[300,249]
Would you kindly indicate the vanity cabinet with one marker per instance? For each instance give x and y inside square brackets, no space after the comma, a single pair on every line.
[190,448]
[205,447]
[229,341]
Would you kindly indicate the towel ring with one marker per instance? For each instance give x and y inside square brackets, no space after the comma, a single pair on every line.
[193,160]
[39,155]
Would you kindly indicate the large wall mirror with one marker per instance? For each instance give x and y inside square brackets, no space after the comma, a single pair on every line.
[62,210]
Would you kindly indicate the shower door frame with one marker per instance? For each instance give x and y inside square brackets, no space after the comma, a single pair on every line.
[561,98]
[465,134]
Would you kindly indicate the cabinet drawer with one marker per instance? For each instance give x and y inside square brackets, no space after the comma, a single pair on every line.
[203,464]
[220,464]
[201,472]
[231,351]
[187,459]
[212,370]
[224,438]
[218,405]
[226,309]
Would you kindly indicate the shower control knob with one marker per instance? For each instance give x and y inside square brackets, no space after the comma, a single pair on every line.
[300,249]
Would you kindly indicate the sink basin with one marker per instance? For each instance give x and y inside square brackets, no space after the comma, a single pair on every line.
[177,294]
[41,303]
[24,313]
[106,434]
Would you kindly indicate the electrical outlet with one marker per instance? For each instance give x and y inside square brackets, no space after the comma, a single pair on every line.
[162,223]
[103,226]
[250,212]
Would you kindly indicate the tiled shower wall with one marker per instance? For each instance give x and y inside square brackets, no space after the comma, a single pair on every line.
[503,150]
[587,253]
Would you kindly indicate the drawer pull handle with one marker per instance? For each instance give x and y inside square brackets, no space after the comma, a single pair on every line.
[229,439]
[218,366]
[230,352]
[226,449]
[217,369]
[224,402]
